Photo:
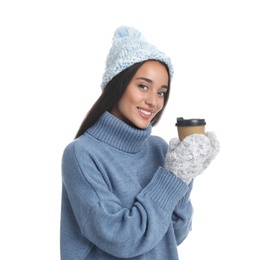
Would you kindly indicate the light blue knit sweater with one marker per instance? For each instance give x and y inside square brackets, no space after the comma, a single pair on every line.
[118,202]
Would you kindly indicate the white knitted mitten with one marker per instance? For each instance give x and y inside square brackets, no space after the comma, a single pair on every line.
[215,148]
[189,158]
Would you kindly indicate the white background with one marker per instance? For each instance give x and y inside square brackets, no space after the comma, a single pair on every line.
[52,56]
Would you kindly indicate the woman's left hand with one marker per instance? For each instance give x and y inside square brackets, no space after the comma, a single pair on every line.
[215,148]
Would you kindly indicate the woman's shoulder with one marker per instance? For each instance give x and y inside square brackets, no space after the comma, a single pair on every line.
[157,138]
[158,141]
[77,145]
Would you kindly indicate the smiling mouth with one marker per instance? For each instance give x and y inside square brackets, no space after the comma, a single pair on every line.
[145,113]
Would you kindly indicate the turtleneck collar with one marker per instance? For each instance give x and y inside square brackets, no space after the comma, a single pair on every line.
[118,134]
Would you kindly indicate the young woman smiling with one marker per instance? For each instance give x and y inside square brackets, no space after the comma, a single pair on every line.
[144,95]
[126,193]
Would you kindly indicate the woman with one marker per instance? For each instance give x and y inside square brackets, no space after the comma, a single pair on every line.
[126,193]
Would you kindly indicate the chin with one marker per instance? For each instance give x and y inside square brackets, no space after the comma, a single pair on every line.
[140,123]
[142,126]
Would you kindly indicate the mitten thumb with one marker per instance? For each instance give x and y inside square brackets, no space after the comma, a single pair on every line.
[173,143]
[214,144]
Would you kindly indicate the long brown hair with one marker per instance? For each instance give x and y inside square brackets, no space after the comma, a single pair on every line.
[111,95]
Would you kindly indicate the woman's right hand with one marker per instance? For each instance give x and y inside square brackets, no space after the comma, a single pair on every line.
[189,158]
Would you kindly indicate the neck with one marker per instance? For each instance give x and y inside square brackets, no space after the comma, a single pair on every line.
[118,134]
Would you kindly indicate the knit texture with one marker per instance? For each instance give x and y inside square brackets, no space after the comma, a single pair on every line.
[215,145]
[118,202]
[189,158]
[129,47]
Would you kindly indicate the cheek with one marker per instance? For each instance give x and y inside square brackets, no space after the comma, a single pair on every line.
[134,97]
[126,103]
[160,104]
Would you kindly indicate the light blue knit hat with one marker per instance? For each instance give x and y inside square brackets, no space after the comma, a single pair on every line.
[130,47]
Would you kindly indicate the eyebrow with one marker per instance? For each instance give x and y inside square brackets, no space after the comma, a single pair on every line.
[150,81]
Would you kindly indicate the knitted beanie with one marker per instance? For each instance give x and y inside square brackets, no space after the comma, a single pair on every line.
[130,47]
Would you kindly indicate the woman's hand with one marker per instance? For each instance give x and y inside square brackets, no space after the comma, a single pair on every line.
[189,158]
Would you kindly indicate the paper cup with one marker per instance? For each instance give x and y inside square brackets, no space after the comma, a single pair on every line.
[187,127]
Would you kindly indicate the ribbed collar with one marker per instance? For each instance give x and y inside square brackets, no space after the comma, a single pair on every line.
[118,134]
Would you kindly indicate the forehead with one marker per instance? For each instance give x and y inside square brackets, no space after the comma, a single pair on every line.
[153,70]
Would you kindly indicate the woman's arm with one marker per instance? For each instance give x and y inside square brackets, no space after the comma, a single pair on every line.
[122,232]
[182,216]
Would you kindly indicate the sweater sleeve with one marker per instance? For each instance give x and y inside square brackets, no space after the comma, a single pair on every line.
[121,232]
[182,216]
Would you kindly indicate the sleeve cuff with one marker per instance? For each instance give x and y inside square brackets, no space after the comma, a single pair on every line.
[165,189]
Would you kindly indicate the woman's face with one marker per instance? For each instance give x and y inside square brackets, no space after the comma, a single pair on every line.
[144,95]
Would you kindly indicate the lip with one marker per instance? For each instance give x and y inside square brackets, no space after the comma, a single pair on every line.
[145,112]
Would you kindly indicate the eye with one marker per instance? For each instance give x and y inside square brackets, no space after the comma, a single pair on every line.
[162,93]
[143,86]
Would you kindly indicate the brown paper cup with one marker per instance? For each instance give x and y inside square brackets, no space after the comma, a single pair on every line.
[187,127]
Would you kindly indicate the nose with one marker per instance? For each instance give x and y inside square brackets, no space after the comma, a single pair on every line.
[151,100]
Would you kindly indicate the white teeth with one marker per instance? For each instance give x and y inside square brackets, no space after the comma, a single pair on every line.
[145,112]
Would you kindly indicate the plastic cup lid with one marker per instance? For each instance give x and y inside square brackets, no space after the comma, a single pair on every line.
[190,122]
